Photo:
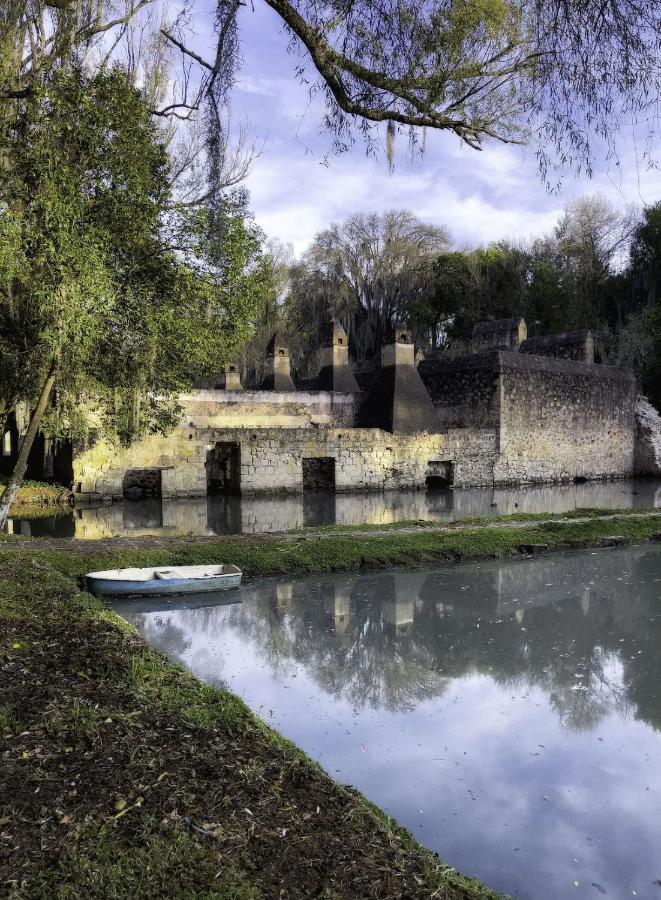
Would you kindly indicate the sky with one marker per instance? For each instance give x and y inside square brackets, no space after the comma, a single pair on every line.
[298,187]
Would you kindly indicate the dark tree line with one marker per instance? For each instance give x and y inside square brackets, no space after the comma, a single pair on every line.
[600,268]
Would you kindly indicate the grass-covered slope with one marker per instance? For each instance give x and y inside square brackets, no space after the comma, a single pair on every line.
[121,776]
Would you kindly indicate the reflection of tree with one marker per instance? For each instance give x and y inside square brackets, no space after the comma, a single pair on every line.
[347,638]
[577,628]
[162,632]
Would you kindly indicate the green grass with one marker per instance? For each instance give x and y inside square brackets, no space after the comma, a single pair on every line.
[111,869]
[107,695]
[33,495]
[337,552]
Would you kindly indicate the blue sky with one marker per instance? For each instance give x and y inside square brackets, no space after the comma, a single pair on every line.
[480,197]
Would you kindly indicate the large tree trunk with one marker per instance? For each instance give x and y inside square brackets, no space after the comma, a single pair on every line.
[16,477]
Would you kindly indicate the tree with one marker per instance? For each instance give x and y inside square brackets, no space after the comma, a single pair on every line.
[269,317]
[564,75]
[369,271]
[451,301]
[593,239]
[646,254]
[110,292]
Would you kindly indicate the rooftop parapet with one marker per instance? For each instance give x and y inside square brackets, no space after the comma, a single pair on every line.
[501,334]
[576,345]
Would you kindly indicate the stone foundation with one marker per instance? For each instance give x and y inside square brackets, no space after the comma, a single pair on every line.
[270,460]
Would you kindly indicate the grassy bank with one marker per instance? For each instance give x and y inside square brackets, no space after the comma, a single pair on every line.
[122,776]
[336,551]
[35,495]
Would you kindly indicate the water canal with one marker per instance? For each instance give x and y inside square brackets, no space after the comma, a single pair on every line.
[507,712]
[236,515]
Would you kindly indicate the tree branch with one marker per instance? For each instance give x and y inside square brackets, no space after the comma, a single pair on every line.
[186,51]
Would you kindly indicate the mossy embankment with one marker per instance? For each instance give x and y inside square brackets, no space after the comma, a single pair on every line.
[34,496]
[321,550]
[122,776]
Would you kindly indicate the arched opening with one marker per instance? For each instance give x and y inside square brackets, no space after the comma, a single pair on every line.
[440,474]
[580,479]
[437,482]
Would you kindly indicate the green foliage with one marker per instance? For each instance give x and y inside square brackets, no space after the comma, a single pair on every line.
[133,297]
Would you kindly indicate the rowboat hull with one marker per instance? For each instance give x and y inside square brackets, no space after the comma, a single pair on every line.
[138,583]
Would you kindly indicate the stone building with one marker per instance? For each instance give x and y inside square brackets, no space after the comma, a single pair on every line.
[514,411]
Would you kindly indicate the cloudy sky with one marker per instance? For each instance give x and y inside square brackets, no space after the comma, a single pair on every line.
[297,188]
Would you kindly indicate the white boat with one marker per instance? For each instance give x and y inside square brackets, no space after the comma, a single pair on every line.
[164,580]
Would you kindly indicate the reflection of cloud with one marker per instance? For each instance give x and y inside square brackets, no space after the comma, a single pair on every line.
[453,726]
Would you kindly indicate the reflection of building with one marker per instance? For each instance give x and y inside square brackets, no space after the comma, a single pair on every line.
[337,603]
[401,594]
[514,411]
[281,598]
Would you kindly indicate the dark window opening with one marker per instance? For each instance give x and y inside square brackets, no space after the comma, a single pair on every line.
[281,352]
[440,475]
[319,474]
[140,484]
[224,468]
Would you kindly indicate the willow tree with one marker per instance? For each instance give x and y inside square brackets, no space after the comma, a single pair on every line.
[107,292]
[368,271]
[563,75]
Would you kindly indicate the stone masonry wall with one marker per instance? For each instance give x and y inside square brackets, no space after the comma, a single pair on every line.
[365,458]
[271,459]
[464,390]
[647,453]
[248,409]
[561,420]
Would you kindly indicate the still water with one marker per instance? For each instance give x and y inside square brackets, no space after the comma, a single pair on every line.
[236,515]
[507,712]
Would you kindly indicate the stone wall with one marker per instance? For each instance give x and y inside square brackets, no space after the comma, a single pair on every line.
[365,458]
[647,453]
[465,390]
[503,418]
[554,419]
[248,409]
[270,460]
[561,420]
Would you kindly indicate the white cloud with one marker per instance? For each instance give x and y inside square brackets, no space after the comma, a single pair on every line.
[481,196]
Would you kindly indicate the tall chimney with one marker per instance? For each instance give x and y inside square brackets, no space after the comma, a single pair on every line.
[335,373]
[277,373]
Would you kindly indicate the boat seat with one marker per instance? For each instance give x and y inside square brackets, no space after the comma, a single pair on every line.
[171,574]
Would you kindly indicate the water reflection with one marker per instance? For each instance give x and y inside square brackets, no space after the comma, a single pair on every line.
[509,713]
[235,515]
